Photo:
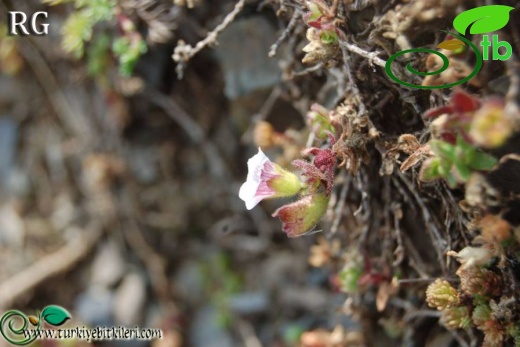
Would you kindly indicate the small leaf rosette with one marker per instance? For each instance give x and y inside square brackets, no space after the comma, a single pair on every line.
[300,217]
[266,180]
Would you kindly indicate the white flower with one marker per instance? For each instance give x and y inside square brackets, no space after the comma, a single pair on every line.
[472,256]
[266,179]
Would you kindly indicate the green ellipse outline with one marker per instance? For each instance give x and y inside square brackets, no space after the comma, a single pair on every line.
[445,65]
[19,331]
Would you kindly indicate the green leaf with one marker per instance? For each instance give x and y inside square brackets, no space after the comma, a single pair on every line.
[328,37]
[350,278]
[75,31]
[461,143]
[128,53]
[482,161]
[55,315]
[468,155]
[462,170]
[292,334]
[100,10]
[315,12]
[322,125]
[451,179]
[443,149]
[430,170]
[483,19]
[464,151]
[98,56]
[445,167]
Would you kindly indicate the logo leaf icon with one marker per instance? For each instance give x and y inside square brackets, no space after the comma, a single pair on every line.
[34,320]
[451,45]
[483,19]
[55,315]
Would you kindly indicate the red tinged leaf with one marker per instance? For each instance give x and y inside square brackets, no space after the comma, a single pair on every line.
[315,24]
[463,102]
[449,137]
[437,111]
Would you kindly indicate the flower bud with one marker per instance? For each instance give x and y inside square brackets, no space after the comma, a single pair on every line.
[301,217]
[491,127]
[476,280]
[481,314]
[263,134]
[472,256]
[441,295]
[456,317]
[493,333]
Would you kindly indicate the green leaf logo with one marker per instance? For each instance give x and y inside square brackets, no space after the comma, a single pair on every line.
[483,19]
[55,315]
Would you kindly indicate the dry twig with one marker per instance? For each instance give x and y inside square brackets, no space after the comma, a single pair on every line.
[371,56]
[184,52]
[308,70]
[285,34]
[248,334]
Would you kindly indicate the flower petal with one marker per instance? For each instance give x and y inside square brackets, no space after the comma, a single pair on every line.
[247,193]
[254,166]
[250,189]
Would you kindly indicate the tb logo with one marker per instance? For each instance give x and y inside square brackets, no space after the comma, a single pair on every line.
[17,24]
[480,21]
[496,45]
